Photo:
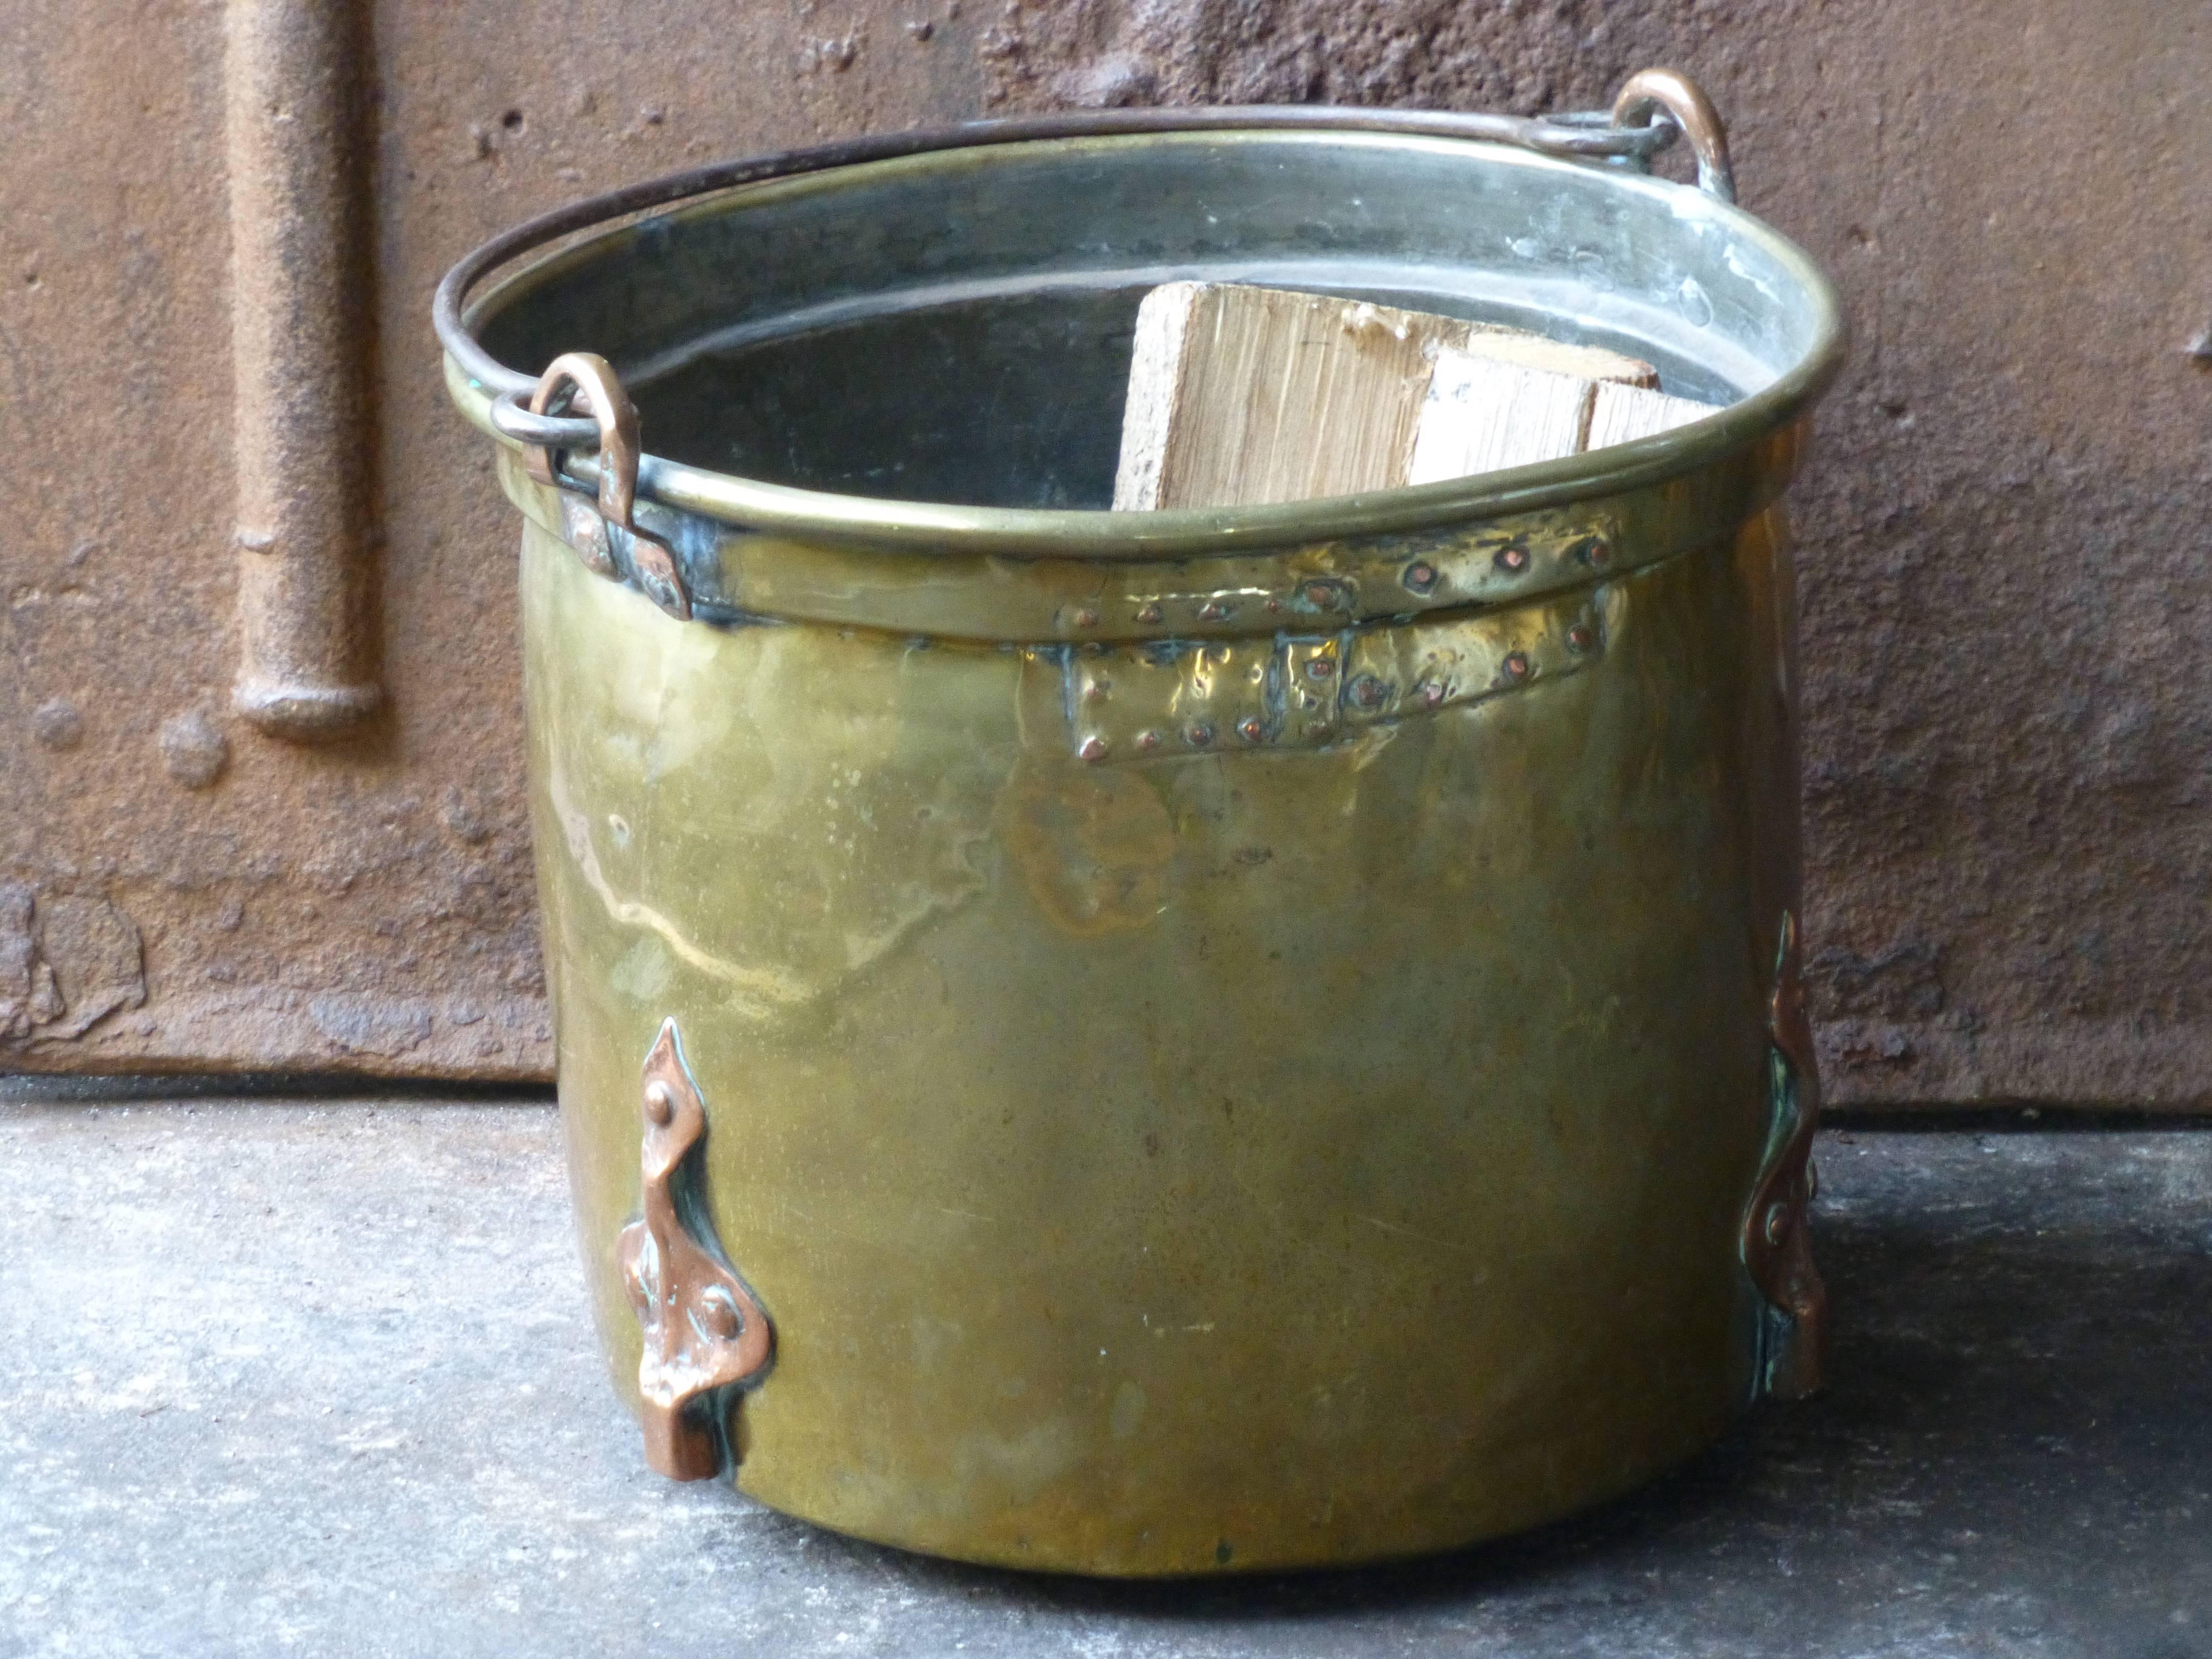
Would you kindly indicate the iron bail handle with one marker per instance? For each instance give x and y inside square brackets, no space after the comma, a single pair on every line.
[1654,106]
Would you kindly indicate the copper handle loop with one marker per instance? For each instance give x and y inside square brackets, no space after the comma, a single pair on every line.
[600,393]
[1685,103]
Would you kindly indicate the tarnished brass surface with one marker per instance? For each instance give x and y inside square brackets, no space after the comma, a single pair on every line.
[701,1331]
[1233,1045]
[1220,1161]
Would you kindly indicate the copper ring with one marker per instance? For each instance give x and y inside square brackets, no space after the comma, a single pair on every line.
[599,392]
[1692,111]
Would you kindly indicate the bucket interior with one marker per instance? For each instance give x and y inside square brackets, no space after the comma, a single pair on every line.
[955,327]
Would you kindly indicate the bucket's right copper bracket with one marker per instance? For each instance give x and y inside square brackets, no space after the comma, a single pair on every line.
[1777,1223]
[1685,104]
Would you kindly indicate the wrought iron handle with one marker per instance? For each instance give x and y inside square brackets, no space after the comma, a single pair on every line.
[1627,135]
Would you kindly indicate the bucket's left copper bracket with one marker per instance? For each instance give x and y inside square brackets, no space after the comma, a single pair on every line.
[596,529]
[706,1332]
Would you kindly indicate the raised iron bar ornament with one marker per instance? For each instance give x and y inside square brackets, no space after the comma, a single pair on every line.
[705,1332]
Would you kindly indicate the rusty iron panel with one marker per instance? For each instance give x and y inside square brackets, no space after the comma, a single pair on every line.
[2005,855]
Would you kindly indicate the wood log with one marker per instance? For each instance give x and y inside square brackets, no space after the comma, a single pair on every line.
[1240,395]
[1622,414]
[1484,414]
[1518,345]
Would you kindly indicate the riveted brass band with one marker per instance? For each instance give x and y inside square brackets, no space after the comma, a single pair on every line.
[1157,701]
[735,575]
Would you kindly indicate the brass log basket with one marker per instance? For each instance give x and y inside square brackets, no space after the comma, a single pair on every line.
[1171,1043]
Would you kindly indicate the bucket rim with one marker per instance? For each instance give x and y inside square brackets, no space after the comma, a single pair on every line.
[476,381]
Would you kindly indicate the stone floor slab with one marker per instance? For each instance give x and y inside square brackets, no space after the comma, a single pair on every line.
[317,1378]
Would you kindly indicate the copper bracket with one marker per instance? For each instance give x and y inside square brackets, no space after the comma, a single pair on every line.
[596,530]
[705,1331]
[1685,103]
[1778,1226]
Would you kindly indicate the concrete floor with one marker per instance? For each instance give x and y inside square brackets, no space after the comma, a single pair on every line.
[313,1378]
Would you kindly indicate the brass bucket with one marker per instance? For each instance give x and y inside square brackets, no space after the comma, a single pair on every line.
[1162,1043]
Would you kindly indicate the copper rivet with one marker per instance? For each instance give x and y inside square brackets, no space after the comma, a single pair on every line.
[1777,1221]
[1369,692]
[1249,729]
[1096,690]
[659,1105]
[1580,637]
[1200,735]
[1598,553]
[1148,613]
[1212,610]
[721,1319]
[1430,693]
[1148,741]
[1320,668]
[1420,578]
[1086,618]
[1513,559]
[1092,749]
[1274,605]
